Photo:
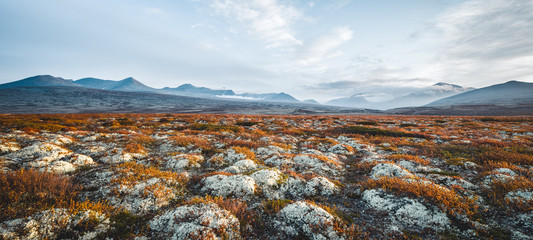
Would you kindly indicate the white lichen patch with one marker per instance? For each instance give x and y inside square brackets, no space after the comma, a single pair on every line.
[200,221]
[8,146]
[49,157]
[182,162]
[278,160]
[416,167]
[320,186]
[229,157]
[303,218]
[341,149]
[389,170]
[229,186]
[50,223]
[79,159]
[265,152]
[406,211]
[57,139]
[520,196]
[143,197]
[39,152]
[319,164]
[452,181]
[270,181]
[505,171]
[242,166]
[118,155]
[496,177]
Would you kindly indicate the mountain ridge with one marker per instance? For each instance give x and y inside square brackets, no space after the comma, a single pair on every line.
[417,98]
[510,92]
[130,84]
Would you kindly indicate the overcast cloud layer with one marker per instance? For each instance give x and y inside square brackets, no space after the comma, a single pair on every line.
[310,49]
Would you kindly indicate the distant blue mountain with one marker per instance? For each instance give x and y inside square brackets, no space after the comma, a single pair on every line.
[512,92]
[273,97]
[40,81]
[189,89]
[132,85]
[125,85]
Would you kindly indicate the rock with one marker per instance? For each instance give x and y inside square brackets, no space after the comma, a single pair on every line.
[270,181]
[143,197]
[40,152]
[497,177]
[321,165]
[199,221]
[520,196]
[278,160]
[58,139]
[79,159]
[389,170]
[320,186]
[184,162]
[264,152]
[120,156]
[505,171]
[8,147]
[341,149]
[50,223]
[294,188]
[229,157]
[406,211]
[303,218]
[242,166]
[229,186]
[61,167]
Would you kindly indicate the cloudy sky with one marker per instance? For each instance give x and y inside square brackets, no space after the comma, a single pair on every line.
[319,49]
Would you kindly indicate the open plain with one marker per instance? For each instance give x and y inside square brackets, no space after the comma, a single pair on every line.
[202,176]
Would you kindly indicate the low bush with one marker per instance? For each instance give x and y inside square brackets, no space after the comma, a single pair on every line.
[25,192]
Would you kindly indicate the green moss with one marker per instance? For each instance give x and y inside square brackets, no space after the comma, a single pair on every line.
[125,225]
[377,132]
[273,206]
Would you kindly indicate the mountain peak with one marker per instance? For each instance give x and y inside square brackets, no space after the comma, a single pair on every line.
[186,86]
[443,84]
[39,81]
[129,79]
[513,82]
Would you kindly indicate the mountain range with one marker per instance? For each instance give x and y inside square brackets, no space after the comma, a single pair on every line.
[132,85]
[510,98]
[48,94]
[419,97]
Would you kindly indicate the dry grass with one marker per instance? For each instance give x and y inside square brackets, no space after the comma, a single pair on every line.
[245,151]
[24,192]
[413,158]
[499,189]
[128,174]
[188,140]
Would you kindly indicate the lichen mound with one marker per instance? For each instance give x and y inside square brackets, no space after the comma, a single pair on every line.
[406,211]
[55,223]
[303,219]
[229,186]
[199,221]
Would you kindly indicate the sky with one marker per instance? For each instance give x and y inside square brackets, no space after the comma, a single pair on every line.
[321,49]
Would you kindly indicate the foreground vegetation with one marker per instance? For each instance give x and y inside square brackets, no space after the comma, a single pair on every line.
[186,176]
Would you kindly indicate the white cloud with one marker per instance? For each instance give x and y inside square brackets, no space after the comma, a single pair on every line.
[322,48]
[487,41]
[266,19]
